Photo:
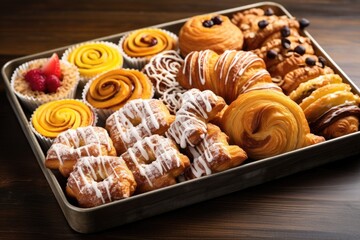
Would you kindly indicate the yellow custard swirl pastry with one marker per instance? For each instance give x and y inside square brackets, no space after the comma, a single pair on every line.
[139,46]
[114,88]
[93,58]
[53,118]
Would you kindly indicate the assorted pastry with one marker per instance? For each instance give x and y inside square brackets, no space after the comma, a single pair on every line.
[225,90]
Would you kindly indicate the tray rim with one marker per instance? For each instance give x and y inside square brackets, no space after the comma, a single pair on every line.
[51,178]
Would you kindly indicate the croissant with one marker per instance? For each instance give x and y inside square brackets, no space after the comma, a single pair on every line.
[266,123]
[228,75]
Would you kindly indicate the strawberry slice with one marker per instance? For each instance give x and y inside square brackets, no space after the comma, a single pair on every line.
[52,67]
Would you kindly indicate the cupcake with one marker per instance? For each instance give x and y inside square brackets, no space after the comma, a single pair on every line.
[93,58]
[53,118]
[43,80]
[139,46]
[109,91]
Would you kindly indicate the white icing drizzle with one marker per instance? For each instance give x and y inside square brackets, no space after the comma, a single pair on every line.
[145,115]
[192,115]
[95,175]
[162,149]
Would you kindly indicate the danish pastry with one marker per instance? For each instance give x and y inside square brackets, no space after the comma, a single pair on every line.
[162,70]
[267,123]
[213,154]
[99,180]
[137,119]
[215,32]
[73,144]
[155,162]
[227,75]
[198,108]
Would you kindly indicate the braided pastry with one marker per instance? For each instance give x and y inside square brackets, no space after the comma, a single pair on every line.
[227,75]
[155,162]
[330,107]
[267,123]
[162,70]
[196,105]
[213,154]
[137,119]
[215,32]
[99,180]
[73,144]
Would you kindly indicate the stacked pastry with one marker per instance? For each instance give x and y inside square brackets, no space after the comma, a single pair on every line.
[291,61]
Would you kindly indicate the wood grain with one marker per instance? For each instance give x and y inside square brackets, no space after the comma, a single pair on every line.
[322,203]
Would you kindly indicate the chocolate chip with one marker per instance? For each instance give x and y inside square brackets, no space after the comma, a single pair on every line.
[269,12]
[310,61]
[208,23]
[271,54]
[149,40]
[285,31]
[285,43]
[300,49]
[322,60]
[216,20]
[153,42]
[304,23]
[262,24]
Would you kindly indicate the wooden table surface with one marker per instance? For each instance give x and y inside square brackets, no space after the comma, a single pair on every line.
[322,203]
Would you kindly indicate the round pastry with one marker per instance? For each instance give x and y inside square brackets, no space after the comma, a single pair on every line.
[155,162]
[197,109]
[227,75]
[140,45]
[69,146]
[213,154]
[113,89]
[212,31]
[137,119]
[267,123]
[99,180]
[53,118]
[93,58]
[162,70]
[44,80]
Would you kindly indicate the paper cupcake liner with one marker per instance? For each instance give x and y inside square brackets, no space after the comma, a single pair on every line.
[140,62]
[46,142]
[104,113]
[32,102]
[84,79]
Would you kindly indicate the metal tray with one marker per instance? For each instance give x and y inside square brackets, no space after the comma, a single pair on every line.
[186,193]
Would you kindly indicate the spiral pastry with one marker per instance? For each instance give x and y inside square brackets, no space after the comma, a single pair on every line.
[93,58]
[267,123]
[147,42]
[53,118]
[114,88]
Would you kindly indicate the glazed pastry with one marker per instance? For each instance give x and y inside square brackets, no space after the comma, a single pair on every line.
[267,123]
[137,119]
[155,162]
[261,26]
[69,146]
[215,32]
[99,180]
[227,75]
[113,89]
[43,80]
[53,118]
[162,71]
[197,109]
[93,58]
[140,45]
[326,100]
[213,154]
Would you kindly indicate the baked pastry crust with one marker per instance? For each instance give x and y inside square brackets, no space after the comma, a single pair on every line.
[194,36]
